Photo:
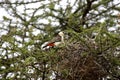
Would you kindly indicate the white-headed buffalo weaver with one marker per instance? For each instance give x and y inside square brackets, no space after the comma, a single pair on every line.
[56,41]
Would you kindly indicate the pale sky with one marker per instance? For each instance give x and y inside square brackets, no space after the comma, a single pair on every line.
[21,8]
[35,5]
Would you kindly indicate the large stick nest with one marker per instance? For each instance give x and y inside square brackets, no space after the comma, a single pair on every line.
[77,61]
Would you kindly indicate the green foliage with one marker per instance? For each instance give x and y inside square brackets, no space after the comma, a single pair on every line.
[29,60]
[91,51]
[6,18]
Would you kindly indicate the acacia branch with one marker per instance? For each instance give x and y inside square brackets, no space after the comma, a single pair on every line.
[86,10]
[4,2]
[104,11]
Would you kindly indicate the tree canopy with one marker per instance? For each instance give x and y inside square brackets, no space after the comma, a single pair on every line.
[92,45]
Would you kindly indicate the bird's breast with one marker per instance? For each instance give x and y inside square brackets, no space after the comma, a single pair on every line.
[57,43]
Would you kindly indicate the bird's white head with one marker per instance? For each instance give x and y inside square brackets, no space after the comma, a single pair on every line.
[61,33]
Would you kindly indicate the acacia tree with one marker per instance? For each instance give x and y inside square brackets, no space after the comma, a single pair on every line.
[90,53]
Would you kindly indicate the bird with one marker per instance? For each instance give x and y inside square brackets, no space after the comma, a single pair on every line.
[55,42]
